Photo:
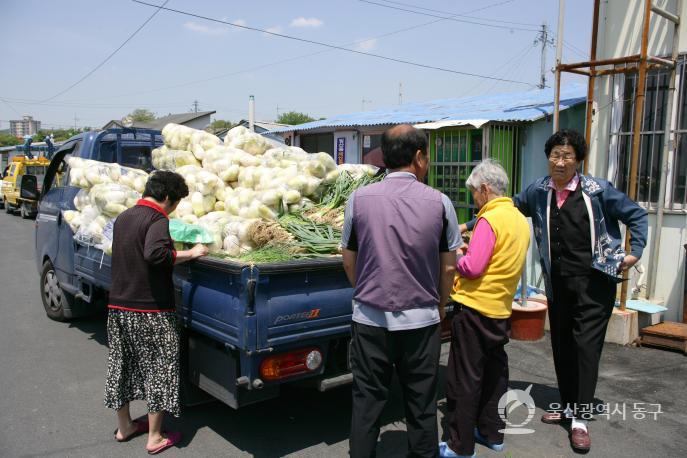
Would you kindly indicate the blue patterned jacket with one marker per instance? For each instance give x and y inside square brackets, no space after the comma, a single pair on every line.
[606,206]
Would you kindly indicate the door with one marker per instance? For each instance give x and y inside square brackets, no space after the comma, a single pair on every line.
[54,237]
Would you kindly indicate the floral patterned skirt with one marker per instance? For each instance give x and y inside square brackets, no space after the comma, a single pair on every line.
[143,363]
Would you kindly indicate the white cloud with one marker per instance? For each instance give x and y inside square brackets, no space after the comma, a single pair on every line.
[275,29]
[200,28]
[306,22]
[367,45]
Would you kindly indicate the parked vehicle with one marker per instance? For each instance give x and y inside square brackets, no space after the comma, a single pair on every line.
[9,191]
[248,329]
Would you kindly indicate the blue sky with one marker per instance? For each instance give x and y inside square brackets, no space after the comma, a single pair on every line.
[176,59]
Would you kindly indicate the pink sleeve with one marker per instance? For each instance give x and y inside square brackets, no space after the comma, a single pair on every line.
[481,247]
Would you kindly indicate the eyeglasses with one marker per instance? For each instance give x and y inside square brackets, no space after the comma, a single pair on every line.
[566,157]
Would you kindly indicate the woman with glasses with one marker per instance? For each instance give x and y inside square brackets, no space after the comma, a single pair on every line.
[575,219]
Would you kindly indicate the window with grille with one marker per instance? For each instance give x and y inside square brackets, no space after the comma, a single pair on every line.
[651,137]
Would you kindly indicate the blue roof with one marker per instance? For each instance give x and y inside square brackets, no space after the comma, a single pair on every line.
[513,106]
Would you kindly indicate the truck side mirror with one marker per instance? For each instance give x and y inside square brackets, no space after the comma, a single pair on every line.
[29,187]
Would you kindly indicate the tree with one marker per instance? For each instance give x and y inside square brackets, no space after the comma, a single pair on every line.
[293,117]
[9,140]
[142,115]
[219,124]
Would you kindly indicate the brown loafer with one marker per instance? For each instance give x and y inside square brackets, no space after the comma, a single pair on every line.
[579,440]
[554,418]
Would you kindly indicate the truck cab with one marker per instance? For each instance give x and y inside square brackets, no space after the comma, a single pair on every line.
[65,294]
[9,191]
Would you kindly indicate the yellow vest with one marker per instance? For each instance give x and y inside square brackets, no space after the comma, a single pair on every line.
[492,293]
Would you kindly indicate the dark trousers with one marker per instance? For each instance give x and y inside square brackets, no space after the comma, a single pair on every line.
[414,354]
[579,314]
[477,377]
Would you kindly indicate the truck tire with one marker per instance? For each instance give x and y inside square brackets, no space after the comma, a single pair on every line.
[8,207]
[53,297]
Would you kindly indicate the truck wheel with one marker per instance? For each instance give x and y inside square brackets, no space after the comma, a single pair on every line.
[25,214]
[8,207]
[54,298]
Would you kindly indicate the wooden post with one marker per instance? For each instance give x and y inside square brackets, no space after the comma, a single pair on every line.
[559,54]
[590,83]
[636,129]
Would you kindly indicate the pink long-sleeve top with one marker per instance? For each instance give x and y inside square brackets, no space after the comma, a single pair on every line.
[481,247]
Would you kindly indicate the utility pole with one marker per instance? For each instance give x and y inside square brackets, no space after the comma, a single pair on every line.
[75,121]
[400,93]
[363,102]
[195,106]
[544,39]
[559,54]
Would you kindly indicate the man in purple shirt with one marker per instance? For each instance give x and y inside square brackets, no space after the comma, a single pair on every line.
[399,250]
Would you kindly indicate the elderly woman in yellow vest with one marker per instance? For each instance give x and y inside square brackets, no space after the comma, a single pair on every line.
[483,292]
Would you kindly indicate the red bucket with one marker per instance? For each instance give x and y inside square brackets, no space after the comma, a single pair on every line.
[527,323]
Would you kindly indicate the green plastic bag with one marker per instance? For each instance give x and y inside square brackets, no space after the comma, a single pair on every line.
[189,233]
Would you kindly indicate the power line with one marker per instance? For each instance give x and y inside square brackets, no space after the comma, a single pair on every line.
[8,104]
[89,106]
[518,56]
[461,15]
[449,18]
[516,66]
[290,59]
[341,48]
[108,57]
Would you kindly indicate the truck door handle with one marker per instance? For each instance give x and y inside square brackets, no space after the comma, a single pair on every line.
[250,309]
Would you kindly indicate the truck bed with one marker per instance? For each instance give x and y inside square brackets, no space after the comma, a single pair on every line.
[252,307]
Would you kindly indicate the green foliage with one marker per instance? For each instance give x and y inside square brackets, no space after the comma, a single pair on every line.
[142,115]
[219,124]
[293,118]
[9,140]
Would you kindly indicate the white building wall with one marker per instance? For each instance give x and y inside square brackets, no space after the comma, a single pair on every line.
[620,29]
[199,123]
[352,151]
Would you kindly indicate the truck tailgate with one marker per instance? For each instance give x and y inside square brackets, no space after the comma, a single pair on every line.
[300,302]
[256,307]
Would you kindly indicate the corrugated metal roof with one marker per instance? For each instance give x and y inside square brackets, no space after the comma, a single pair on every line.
[159,123]
[514,106]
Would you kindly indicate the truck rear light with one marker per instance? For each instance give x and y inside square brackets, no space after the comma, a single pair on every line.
[297,362]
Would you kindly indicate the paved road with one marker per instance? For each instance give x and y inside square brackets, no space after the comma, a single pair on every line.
[51,383]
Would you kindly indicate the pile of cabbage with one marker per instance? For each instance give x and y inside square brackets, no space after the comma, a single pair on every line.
[238,188]
[242,181]
[106,191]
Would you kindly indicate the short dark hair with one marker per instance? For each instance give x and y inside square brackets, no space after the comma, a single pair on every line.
[567,137]
[164,184]
[400,143]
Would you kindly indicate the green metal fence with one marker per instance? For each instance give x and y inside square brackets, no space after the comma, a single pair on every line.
[455,151]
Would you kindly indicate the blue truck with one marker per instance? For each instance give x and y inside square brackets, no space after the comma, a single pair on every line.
[248,329]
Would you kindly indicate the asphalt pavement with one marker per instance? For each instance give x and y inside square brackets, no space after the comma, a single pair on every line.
[52,376]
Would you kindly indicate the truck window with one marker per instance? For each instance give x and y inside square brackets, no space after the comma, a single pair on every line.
[108,152]
[13,168]
[136,156]
[38,171]
[56,174]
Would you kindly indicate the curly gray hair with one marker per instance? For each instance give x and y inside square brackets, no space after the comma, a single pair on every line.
[491,173]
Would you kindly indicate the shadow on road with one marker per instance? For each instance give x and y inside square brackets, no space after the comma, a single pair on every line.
[95,326]
[305,417]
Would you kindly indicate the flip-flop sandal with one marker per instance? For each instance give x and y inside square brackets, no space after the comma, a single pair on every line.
[141,428]
[171,440]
